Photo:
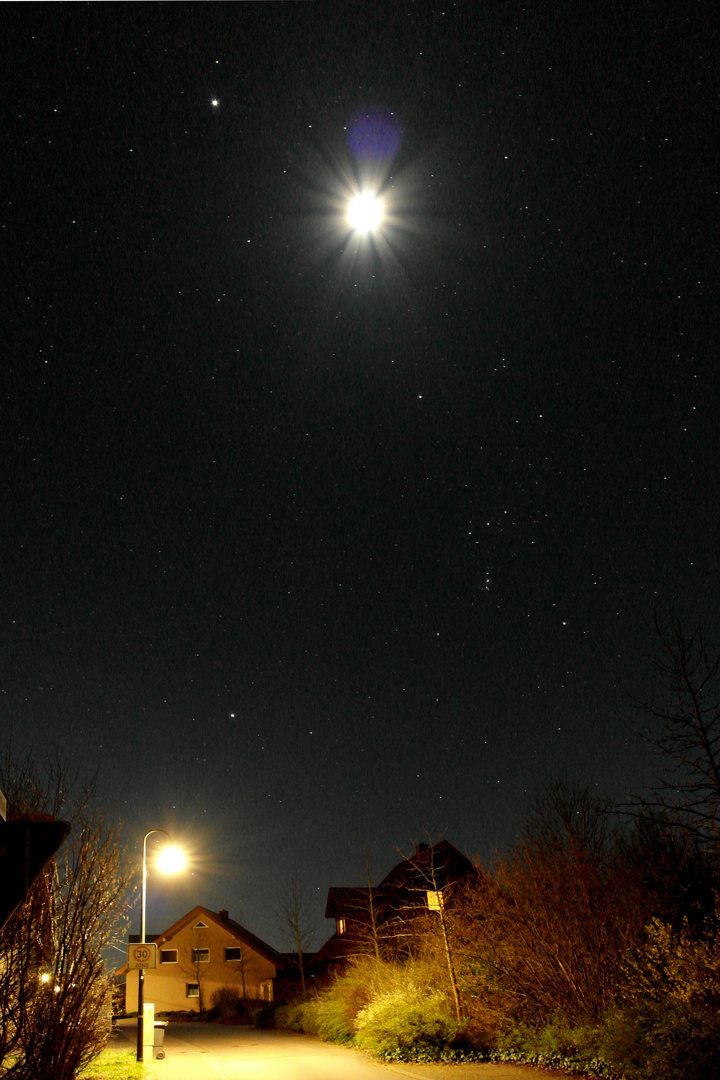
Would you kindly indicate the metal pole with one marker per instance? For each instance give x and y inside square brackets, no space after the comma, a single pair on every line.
[141,971]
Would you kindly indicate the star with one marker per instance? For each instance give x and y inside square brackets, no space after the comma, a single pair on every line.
[215,103]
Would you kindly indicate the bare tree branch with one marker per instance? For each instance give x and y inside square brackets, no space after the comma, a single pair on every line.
[54,989]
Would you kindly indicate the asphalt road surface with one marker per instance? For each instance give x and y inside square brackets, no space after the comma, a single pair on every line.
[218,1052]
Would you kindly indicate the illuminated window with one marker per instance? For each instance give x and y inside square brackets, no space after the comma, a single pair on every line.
[192,989]
[168,956]
[435,900]
[233,953]
[200,956]
[340,926]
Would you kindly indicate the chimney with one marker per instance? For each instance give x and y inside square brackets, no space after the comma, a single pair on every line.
[223,915]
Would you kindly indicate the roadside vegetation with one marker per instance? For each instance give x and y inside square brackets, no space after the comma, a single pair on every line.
[55,994]
[111,1064]
[593,945]
[588,947]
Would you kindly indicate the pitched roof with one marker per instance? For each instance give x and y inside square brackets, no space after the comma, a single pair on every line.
[346,901]
[256,943]
[233,927]
[431,867]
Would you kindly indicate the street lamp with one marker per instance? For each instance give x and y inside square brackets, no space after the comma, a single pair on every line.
[170,860]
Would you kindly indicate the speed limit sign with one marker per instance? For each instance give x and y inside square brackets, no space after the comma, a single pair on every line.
[142,956]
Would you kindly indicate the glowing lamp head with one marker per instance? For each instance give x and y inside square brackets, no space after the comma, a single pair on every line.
[365,212]
[170,860]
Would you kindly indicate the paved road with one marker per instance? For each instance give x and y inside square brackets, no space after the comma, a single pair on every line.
[218,1052]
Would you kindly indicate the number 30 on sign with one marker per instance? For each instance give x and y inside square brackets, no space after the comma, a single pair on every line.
[142,956]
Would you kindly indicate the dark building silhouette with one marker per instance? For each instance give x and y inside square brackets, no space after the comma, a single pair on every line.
[384,918]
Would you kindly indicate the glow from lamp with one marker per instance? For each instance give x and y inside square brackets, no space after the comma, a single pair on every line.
[171,860]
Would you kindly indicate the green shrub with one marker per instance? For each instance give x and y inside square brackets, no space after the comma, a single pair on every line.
[557,1045]
[331,1013]
[325,1017]
[394,1010]
[288,1016]
[407,1023]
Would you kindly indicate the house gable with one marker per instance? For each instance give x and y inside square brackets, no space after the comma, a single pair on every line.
[200,954]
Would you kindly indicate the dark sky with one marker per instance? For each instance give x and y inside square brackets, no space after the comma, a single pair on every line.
[313,544]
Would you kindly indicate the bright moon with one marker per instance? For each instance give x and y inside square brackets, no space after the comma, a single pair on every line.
[365,212]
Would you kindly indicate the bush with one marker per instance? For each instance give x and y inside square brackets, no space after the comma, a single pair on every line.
[331,1013]
[664,1040]
[326,1017]
[393,1010]
[555,1045]
[264,1017]
[227,1003]
[55,996]
[407,1023]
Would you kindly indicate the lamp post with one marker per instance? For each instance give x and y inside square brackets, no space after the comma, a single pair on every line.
[172,860]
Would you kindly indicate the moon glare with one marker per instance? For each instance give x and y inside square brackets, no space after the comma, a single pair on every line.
[365,212]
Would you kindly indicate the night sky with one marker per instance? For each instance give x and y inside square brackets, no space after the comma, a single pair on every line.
[316,543]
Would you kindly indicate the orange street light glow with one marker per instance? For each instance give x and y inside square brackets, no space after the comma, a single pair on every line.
[170,860]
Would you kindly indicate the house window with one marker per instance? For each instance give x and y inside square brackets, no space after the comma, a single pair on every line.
[233,953]
[168,956]
[192,989]
[340,926]
[200,925]
[435,900]
[200,956]
[266,990]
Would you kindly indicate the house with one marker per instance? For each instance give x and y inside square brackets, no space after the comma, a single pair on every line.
[385,915]
[203,952]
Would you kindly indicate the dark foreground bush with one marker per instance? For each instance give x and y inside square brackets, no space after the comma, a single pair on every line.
[667,1040]
[264,1017]
[227,1003]
[556,1045]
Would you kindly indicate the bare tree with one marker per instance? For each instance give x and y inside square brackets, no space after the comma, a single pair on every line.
[431,879]
[194,963]
[55,1002]
[294,910]
[683,725]
[548,929]
[373,909]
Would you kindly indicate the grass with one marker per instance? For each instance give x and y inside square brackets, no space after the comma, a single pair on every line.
[115,1065]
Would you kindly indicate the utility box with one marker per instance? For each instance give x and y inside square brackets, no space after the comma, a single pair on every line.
[148,1030]
[153,1034]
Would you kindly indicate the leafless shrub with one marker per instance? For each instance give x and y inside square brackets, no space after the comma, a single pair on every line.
[55,1002]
